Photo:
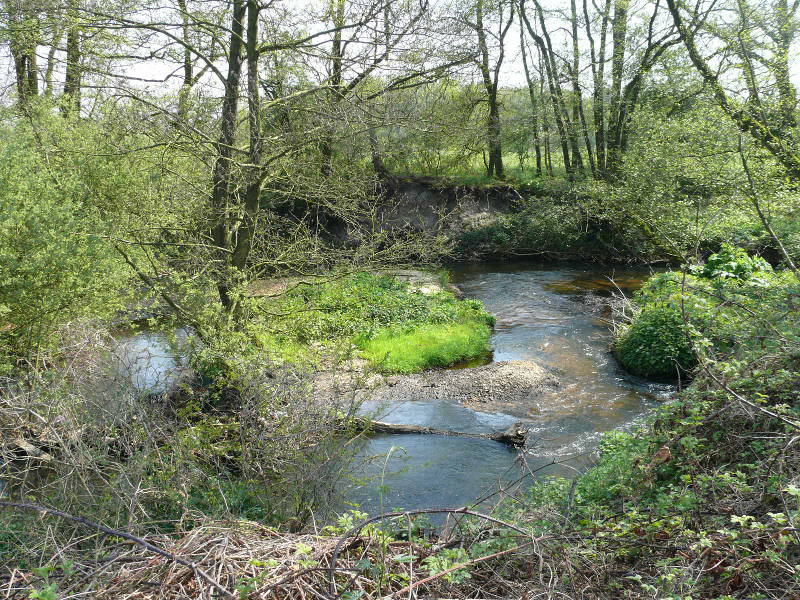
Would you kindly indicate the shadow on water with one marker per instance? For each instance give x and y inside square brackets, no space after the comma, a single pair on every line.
[544,314]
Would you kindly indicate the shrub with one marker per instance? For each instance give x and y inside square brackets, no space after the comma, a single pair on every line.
[55,262]
[659,343]
[733,263]
[656,345]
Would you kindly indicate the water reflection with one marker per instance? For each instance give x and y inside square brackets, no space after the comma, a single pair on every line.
[150,360]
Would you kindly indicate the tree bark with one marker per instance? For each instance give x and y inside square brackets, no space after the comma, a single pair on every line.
[220,201]
[71,102]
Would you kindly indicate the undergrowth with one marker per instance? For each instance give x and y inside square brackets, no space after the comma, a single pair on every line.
[675,315]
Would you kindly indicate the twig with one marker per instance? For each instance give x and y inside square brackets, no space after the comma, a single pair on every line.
[127,536]
[356,529]
[468,563]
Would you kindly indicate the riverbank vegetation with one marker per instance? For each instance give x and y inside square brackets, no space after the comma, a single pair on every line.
[251,174]
[396,326]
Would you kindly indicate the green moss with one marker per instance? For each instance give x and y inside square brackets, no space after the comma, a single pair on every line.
[427,346]
[396,328]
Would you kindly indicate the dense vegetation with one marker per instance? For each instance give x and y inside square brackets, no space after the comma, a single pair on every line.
[397,328]
[244,178]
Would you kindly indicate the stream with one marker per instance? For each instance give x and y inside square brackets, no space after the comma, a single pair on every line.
[547,315]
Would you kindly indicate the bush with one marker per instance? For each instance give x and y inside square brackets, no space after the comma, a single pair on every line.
[733,263]
[55,260]
[660,344]
[656,345]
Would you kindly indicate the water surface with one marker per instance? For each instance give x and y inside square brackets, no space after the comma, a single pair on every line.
[553,316]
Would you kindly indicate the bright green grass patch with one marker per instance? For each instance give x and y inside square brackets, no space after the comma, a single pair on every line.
[397,328]
[426,346]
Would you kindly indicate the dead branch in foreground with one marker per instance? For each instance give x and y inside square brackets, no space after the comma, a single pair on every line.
[248,560]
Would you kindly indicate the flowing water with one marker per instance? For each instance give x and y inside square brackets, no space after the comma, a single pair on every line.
[550,316]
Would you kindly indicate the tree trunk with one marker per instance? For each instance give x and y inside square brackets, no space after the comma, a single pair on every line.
[577,101]
[335,94]
[252,195]
[546,129]
[516,435]
[378,165]
[188,75]
[598,77]
[619,28]
[23,33]
[49,90]
[494,166]
[559,110]
[787,95]
[220,202]
[534,103]
[71,102]
[578,113]
[495,144]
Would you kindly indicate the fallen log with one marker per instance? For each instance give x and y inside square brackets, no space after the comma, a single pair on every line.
[514,436]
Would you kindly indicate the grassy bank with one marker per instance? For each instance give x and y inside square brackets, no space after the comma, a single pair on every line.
[396,328]
[426,346]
